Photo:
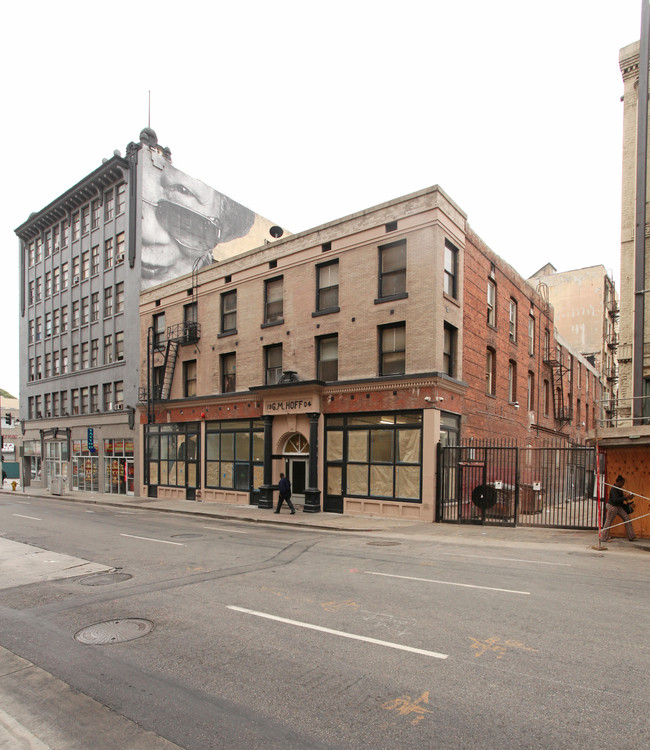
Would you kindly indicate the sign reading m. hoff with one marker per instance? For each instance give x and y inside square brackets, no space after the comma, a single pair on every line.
[302,405]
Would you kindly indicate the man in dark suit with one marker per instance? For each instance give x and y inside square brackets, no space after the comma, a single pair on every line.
[285,494]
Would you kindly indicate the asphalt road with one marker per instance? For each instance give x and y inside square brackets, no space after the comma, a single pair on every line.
[277,637]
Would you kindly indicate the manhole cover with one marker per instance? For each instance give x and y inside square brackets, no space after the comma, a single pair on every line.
[185,536]
[103,579]
[384,544]
[114,631]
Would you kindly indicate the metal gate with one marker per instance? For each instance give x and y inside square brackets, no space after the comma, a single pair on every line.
[503,484]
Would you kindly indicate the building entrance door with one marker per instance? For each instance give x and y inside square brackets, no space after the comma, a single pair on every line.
[296,456]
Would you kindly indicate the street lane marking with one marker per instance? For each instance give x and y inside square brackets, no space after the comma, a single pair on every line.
[30,517]
[221,528]
[341,633]
[148,539]
[510,559]
[447,583]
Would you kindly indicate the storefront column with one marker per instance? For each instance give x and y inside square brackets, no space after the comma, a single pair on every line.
[312,493]
[266,490]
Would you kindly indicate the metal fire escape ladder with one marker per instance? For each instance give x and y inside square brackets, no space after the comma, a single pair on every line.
[171,355]
[562,411]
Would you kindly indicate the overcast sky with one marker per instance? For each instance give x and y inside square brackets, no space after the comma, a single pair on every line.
[307,111]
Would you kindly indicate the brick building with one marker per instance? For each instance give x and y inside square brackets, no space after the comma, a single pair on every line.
[343,356]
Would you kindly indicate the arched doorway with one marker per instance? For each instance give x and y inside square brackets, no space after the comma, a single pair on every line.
[296,460]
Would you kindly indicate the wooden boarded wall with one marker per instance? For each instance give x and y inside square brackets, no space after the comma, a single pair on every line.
[634,464]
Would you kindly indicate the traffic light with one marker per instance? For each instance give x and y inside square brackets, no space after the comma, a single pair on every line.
[8,418]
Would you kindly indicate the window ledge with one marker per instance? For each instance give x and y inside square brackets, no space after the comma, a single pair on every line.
[391,298]
[328,311]
[227,333]
[275,323]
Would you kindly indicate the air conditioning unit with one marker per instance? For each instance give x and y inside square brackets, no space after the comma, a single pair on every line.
[75,279]
[119,258]
[119,406]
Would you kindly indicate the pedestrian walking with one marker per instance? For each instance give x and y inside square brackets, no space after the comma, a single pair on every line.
[615,508]
[285,494]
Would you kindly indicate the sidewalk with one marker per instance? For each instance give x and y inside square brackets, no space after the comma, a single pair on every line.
[531,537]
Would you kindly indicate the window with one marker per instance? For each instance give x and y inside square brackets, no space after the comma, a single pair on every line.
[119,248]
[85,305]
[48,283]
[490,372]
[76,226]
[108,396]
[273,306]
[65,233]
[513,320]
[85,219]
[229,312]
[75,314]
[48,243]
[108,349]
[159,330]
[64,318]
[96,213]
[74,397]
[31,369]
[48,365]
[392,356]
[327,283]
[119,394]
[449,350]
[108,301]
[171,457]
[94,398]
[56,362]
[189,378]
[55,404]
[75,357]
[392,269]
[39,249]
[234,454]
[64,403]
[56,276]
[228,373]
[94,307]
[531,337]
[512,381]
[95,260]
[119,346]
[39,289]
[48,324]
[31,254]
[64,275]
[84,400]
[39,328]
[491,303]
[85,264]
[121,198]
[374,455]
[31,332]
[39,373]
[531,391]
[119,297]
[451,270]
[31,292]
[328,358]
[108,205]
[64,361]
[94,352]
[108,254]
[273,364]
[75,270]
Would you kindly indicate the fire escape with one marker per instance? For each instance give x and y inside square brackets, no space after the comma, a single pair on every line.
[161,376]
[562,407]
[611,369]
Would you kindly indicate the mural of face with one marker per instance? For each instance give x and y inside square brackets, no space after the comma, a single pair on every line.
[183,220]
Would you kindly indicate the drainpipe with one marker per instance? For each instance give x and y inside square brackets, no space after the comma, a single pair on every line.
[640,224]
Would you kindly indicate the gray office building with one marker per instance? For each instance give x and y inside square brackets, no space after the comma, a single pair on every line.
[132,223]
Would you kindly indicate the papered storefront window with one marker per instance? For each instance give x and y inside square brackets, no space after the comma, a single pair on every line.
[234,454]
[173,454]
[375,455]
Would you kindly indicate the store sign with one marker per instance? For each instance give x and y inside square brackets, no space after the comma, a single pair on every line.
[91,439]
[301,405]
[8,447]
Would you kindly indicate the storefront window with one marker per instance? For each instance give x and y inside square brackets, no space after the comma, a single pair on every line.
[375,455]
[172,452]
[119,468]
[235,454]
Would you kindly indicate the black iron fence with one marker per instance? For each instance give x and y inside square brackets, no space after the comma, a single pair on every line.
[496,483]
